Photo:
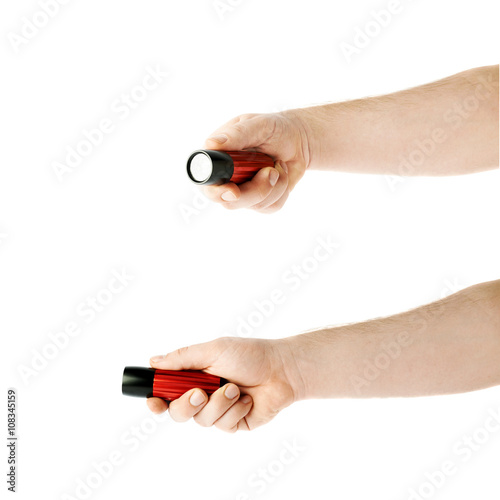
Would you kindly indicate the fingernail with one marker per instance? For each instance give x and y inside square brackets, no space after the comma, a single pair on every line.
[228,196]
[284,167]
[220,138]
[196,398]
[155,359]
[273,177]
[246,399]
[231,392]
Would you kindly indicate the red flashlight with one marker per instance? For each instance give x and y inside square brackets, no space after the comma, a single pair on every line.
[207,166]
[166,384]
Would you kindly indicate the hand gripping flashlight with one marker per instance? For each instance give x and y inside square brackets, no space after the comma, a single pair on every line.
[207,166]
[166,384]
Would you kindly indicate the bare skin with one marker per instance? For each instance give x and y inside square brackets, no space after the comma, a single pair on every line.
[447,127]
[446,347]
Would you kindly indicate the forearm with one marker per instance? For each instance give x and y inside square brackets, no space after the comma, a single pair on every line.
[446,127]
[449,346]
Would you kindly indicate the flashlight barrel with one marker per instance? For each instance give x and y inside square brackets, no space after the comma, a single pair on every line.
[247,164]
[170,384]
[208,166]
[167,384]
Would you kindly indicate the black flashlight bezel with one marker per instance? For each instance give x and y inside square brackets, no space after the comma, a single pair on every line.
[138,381]
[222,166]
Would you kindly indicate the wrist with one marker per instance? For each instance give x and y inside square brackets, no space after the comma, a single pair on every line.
[322,130]
[296,355]
[303,130]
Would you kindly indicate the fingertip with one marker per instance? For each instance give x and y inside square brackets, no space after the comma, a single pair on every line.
[223,192]
[231,391]
[159,365]
[261,175]
[283,166]
[197,398]
[216,141]
[157,405]
[229,195]
[274,175]
[154,360]
[267,175]
[188,405]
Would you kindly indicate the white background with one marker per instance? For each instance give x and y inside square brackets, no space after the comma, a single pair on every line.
[125,205]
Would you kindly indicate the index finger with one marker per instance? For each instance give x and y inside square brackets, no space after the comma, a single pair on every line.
[250,193]
[244,134]
[222,192]
[193,357]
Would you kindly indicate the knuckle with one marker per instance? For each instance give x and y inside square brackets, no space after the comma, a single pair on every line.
[225,426]
[260,207]
[239,127]
[224,339]
[268,210]
[265,209]
[202,422]
[211,192]
[263,193]
[274,207]
[158,411]
[182,351]
[221,343]
[269,125]
[177,416]
[243,425]
[246,116]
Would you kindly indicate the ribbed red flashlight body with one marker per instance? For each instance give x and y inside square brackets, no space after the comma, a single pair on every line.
[247,164]
[171,384]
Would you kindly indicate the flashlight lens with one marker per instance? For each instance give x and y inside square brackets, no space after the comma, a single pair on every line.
[200,167]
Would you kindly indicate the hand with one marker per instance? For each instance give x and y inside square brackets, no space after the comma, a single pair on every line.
[280,135]
[258,390]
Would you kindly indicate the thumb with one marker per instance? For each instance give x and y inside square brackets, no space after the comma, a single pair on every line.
[250,133]
[194,357]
